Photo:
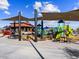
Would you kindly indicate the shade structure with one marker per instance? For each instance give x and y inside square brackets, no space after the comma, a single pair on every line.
[67,16]
[50,16]
[18,18]
[14,18]
[70,16]
[76,12]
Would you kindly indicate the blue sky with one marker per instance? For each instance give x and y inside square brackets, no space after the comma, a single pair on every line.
[10,8]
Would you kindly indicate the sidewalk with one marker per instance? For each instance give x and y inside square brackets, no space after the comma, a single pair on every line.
[14,49]
[54,50]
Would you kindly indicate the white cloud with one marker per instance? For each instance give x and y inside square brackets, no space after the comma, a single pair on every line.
[45,7]
[75,8]
[39,14]
[37,5]
[50,8]
[4,4]
[7,12]
[44,3]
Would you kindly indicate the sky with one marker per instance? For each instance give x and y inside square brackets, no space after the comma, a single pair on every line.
[9,8]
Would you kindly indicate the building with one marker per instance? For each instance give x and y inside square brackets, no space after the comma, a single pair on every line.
[25,26]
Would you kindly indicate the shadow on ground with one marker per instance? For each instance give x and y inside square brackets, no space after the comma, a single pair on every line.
[73,53]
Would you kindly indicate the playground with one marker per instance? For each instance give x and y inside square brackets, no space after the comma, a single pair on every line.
[39,41]
[37,32]
[39,29]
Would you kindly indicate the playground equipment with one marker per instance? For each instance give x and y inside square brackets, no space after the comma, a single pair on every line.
[62,31]
[59,33]
[39,30]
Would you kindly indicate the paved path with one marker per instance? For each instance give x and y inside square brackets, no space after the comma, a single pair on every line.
[50,50]
[14,49]
[54,50]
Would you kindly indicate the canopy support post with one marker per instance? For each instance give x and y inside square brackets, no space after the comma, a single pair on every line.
[41,29]
[35,18]
[14,29]
[19,26]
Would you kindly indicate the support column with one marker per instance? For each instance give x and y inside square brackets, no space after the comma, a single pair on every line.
[19,26]
[14,28]
[35,18]
[42,30]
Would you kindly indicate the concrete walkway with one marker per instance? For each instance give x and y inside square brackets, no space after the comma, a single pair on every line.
[54,50]
[14,49]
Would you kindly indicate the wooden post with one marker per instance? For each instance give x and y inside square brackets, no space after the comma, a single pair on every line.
[35,18]
[19,26]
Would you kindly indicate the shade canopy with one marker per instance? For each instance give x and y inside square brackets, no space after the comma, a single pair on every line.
[22,18]
[68,16]
[18,18]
